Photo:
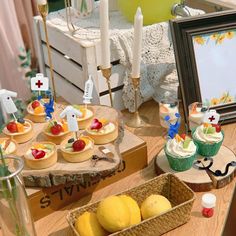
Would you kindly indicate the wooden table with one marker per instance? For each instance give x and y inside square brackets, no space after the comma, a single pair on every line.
[55,224]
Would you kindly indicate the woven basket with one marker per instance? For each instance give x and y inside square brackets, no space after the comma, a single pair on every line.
[168,185]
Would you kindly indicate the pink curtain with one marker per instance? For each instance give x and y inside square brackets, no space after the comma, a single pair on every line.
[11,77]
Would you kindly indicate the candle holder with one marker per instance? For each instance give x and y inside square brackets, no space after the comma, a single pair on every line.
[136,121]
[43,10]
[107,75]
[70,25]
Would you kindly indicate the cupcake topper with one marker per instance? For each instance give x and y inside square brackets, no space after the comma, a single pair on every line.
[211,117]
[7,102]
[88,91]
[173,128]
[71,115]
[49,108]
[39,83]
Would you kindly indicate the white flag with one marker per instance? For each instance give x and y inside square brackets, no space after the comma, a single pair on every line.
[39,83]
[7,102]
[211,117]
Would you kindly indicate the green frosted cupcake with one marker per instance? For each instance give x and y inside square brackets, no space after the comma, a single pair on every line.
[180,153]
[208,139]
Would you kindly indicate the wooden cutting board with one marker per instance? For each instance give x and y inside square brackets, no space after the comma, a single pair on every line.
[63,172]
[201,180]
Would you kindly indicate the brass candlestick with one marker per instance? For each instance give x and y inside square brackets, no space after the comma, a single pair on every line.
[70,25]
[43,10]
[107,75]
[136,120]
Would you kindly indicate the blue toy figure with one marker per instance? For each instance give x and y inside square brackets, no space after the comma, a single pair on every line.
[173,128]
[48,106]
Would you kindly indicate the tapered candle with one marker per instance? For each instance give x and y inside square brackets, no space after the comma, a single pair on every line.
[41,2]
[137,43]
[104,27]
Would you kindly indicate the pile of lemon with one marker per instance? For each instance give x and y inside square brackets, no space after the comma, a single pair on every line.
[115,213]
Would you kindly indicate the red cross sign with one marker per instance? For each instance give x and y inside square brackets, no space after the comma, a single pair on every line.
[211,117]
[39,83]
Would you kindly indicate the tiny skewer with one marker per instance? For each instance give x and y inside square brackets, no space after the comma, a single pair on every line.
[14,117]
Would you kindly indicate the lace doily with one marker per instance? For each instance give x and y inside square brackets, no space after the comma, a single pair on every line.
[158,70]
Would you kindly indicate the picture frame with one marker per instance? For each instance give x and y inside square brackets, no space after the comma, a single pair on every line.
[202,61]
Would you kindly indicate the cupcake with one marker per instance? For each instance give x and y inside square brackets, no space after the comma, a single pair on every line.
[208,138]
[102,131]
[180,152]
[21,130]
[56,131]
[41,155]
[87,116]
[78,150]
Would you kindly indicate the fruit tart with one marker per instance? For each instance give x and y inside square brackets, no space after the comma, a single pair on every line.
[9,146]
[56,131]
[41,155]
[21,130]
[78,150]
[36,112]
[102,131]
[87,116]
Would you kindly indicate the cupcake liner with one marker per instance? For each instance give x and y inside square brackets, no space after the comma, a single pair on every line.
[207,149]
[180,163]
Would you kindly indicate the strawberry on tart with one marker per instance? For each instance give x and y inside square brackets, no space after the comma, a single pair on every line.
[87,116]
[36,112]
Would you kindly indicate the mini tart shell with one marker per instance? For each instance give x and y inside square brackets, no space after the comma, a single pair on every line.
[84,123]
[36,118]
[15,150]
[43,163]
[81,156]
[22,137]
[104,138]
[57,139]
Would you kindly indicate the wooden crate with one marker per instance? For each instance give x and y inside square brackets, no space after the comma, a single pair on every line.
[212,5]
[47,200]
[73,60]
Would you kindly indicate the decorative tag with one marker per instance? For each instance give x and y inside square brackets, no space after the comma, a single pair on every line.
[7,102]
[39,83]
[211,117]
[88,91]
[71,115]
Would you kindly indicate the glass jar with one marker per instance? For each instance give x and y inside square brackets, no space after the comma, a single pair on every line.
[196,113]
[15,216]
[168,106]
[208,204]
[84,8]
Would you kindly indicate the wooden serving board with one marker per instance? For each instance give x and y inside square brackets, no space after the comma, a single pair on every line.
[201,180]
[63,172]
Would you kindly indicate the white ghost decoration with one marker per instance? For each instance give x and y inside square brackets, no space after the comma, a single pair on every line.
[211,117]
[7,102]
[71,115]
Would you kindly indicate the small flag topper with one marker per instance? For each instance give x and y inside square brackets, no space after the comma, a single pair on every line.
[173,128]
[211,117]
[7,102]
[71,115]
[88,91]
[39,83]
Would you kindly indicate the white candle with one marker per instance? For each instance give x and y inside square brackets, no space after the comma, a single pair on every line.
[104,27]
[41,2]
[137,43]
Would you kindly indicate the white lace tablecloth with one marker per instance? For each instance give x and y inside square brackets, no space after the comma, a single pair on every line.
[158,71]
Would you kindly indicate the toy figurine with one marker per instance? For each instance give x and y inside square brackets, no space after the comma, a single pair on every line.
[49,108]
[173,128]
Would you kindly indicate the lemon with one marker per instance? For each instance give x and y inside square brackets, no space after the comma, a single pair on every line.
[154,205]
[135,215]
[113,214]
[88,225]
